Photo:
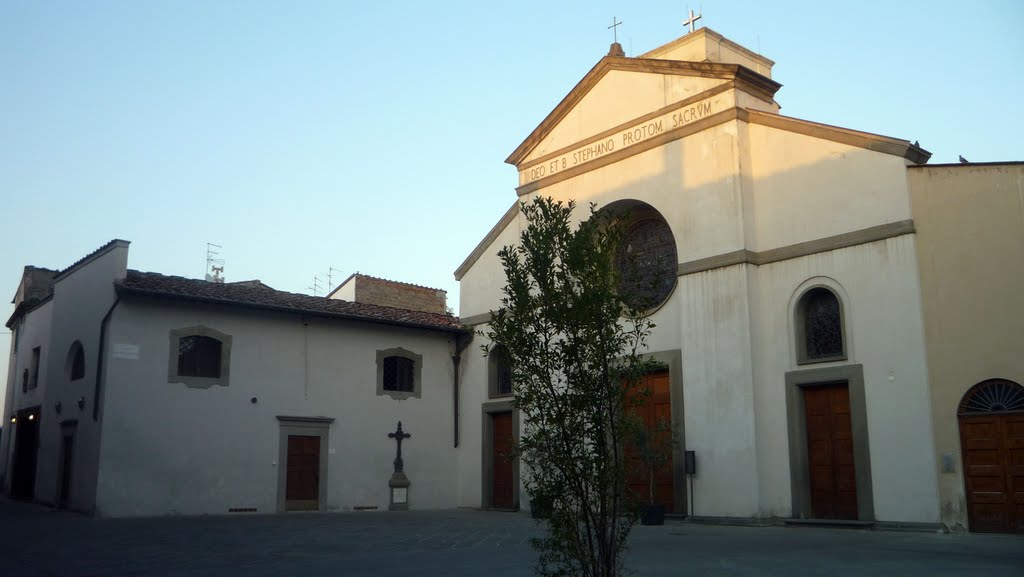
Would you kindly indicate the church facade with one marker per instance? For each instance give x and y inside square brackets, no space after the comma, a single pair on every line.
[839,325]
[804,320]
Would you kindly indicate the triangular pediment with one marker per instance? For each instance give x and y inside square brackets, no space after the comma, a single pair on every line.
[618,90]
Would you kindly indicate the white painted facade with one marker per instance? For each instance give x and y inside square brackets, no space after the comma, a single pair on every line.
[220,450]
[752,200]
[146,443]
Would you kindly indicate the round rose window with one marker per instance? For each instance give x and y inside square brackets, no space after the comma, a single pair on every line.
[647,263]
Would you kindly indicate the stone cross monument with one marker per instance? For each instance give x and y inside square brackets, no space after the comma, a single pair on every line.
[399,483]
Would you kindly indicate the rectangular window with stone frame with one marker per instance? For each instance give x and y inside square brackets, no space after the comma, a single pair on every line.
[399,373]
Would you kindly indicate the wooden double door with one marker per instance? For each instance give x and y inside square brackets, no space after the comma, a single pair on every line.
[833,478]
[993,457]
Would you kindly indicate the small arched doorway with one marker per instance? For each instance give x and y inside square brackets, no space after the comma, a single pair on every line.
[991,416]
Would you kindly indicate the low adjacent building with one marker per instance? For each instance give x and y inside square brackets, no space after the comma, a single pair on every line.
[165,395]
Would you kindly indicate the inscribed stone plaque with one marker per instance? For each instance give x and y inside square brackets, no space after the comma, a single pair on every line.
[399,494]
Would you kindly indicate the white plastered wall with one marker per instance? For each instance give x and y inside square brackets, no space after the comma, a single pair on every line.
[80,301]
[33,332]
[879,285]
[170,449]
[805,188]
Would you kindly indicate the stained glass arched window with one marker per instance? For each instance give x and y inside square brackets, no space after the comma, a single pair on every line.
[499,372]
[993,396]
[820,327]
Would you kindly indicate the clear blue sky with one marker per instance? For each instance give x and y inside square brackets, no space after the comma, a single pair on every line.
[371,136]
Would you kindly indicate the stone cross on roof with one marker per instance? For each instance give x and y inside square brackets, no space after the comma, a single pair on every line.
[615,28]
[691,21]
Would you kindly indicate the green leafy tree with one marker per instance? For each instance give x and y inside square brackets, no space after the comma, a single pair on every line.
[574,349]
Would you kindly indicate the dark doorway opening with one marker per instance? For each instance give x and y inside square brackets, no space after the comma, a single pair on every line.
[67,451]
[26,450]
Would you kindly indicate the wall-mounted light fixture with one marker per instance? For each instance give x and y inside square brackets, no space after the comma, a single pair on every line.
[14,419]
[58,407]
[81,402]
[31,417]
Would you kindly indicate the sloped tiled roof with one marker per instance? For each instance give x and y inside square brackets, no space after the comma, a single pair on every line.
[80,262]
[249,296]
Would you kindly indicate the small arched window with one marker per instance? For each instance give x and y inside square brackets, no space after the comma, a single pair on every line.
[499,372]
[75,366]
[820,327]
[199,356]
[399,373]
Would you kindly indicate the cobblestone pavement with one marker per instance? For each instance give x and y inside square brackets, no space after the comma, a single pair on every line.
[36,541]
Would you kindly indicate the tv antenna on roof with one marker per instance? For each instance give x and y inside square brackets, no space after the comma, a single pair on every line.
[330,277]
[213,272]
[315,287]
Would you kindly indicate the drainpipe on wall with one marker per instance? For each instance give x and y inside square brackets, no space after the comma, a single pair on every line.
[99,360]
[462,341]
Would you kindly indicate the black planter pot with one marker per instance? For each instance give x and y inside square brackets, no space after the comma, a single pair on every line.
[540,508]
[652,514]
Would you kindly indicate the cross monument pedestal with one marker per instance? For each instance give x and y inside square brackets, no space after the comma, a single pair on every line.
[399,484]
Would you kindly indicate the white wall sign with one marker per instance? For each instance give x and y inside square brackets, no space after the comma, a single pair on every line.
[123,351]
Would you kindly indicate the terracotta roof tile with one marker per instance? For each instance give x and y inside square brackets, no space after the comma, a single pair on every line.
[247,295]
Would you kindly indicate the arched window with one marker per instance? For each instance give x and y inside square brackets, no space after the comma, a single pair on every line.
[499,372]
[819,326]
[993,396]
[75,365]
[199,357]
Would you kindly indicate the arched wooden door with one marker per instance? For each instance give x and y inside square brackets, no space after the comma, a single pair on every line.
[991,416]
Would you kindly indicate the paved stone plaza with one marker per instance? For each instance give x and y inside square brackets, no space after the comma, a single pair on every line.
[35,541]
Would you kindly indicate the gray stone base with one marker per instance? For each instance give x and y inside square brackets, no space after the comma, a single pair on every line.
[828,523]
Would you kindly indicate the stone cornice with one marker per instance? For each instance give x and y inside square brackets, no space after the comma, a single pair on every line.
[718,38]
[866,140]
[492,235]
[762,86]
[631,122]
[773,255]
[834,242]
[664,138]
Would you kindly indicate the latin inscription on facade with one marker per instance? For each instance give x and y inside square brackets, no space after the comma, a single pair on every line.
[632,136]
